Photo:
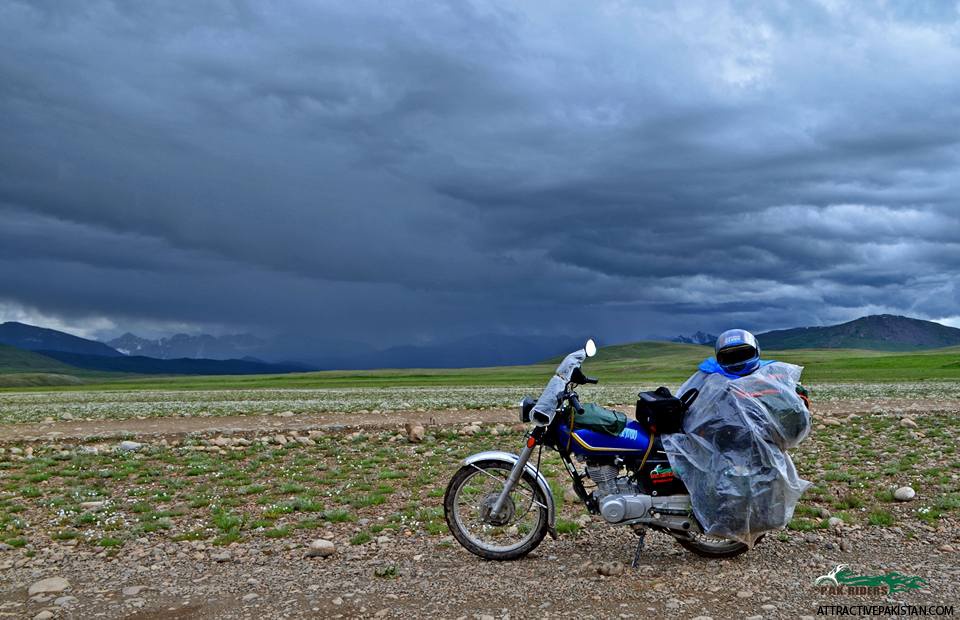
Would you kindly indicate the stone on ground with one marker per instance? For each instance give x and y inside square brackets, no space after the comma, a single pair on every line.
[321,548]
[610,569]
[904,494]
[415,432]
[50,584]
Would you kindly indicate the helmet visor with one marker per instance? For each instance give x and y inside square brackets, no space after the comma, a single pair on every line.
[737,355]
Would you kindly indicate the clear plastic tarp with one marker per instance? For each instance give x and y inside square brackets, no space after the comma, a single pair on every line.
[546,406]
[732,452]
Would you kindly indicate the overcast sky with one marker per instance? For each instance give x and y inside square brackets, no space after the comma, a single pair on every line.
[396,172]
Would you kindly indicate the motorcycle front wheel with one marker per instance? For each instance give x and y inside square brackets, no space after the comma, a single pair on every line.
[467,504]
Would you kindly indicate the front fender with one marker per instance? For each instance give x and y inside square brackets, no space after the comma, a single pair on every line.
[510,459]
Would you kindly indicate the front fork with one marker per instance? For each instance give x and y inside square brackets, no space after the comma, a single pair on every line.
[532,440]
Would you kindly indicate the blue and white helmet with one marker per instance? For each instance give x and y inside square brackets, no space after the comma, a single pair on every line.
[737,352]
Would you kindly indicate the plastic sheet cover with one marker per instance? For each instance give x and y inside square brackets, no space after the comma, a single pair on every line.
[546,406]
[732,454]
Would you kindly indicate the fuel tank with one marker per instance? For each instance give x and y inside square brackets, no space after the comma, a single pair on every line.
[632,442]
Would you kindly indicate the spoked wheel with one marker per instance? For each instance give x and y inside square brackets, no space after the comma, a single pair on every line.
[468,504]
[713,547]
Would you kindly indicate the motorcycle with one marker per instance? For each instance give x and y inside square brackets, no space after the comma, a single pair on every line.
[499,506]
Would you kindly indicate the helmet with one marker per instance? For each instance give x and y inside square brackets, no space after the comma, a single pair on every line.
[737,352]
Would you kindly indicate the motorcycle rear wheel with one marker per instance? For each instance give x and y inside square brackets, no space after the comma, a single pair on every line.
[711,547]
[465,503]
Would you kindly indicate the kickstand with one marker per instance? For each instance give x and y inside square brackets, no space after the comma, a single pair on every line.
[641,535]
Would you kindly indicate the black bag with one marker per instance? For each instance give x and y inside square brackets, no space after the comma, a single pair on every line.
[661,412]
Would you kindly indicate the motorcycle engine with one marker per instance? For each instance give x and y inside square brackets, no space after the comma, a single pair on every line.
[605,476]
[618,498]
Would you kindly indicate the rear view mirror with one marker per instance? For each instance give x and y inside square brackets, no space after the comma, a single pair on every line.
[590,348]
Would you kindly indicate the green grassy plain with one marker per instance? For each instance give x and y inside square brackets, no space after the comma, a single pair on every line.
[644,362]
[368,485]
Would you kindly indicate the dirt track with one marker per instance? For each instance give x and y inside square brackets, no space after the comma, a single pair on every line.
[246,424]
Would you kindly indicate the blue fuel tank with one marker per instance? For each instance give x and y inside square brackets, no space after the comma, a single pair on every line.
[631,442]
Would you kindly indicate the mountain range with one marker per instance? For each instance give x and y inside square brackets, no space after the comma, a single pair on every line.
[233,346]
[286,353]
[879,332]
[32,338]
[327,354]
[38,349]
[697,338]
[138,364]
[882,332]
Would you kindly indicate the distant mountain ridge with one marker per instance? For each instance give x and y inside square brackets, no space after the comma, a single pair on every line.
[28,348]
[288,352]
[471,351]
[58,352]
[697,338]
[138,364]
[203,346]
[32,338]
[884,332]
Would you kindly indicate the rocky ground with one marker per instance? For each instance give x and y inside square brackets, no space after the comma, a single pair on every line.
[218,522]
[435,579]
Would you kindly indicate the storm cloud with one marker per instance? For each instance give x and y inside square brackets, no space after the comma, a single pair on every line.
[405,172]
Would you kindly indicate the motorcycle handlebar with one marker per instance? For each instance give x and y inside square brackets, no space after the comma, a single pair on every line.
[575,403]
[579,378]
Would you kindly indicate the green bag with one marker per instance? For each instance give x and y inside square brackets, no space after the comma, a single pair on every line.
[596,418]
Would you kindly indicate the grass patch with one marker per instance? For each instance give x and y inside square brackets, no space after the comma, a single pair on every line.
[882,518]
[884,495]
[802,524]
[391,475]
[227,539]
[951,501]
[567,527]
[848,502]
[108,542]
[436,529]
[338,516]
[226,521]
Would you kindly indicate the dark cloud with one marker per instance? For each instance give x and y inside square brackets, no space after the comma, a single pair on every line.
[406,172]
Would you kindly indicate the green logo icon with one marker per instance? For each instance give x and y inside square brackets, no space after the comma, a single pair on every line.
[894,581]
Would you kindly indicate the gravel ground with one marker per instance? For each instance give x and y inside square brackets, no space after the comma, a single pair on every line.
[859,452]
[438,579]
